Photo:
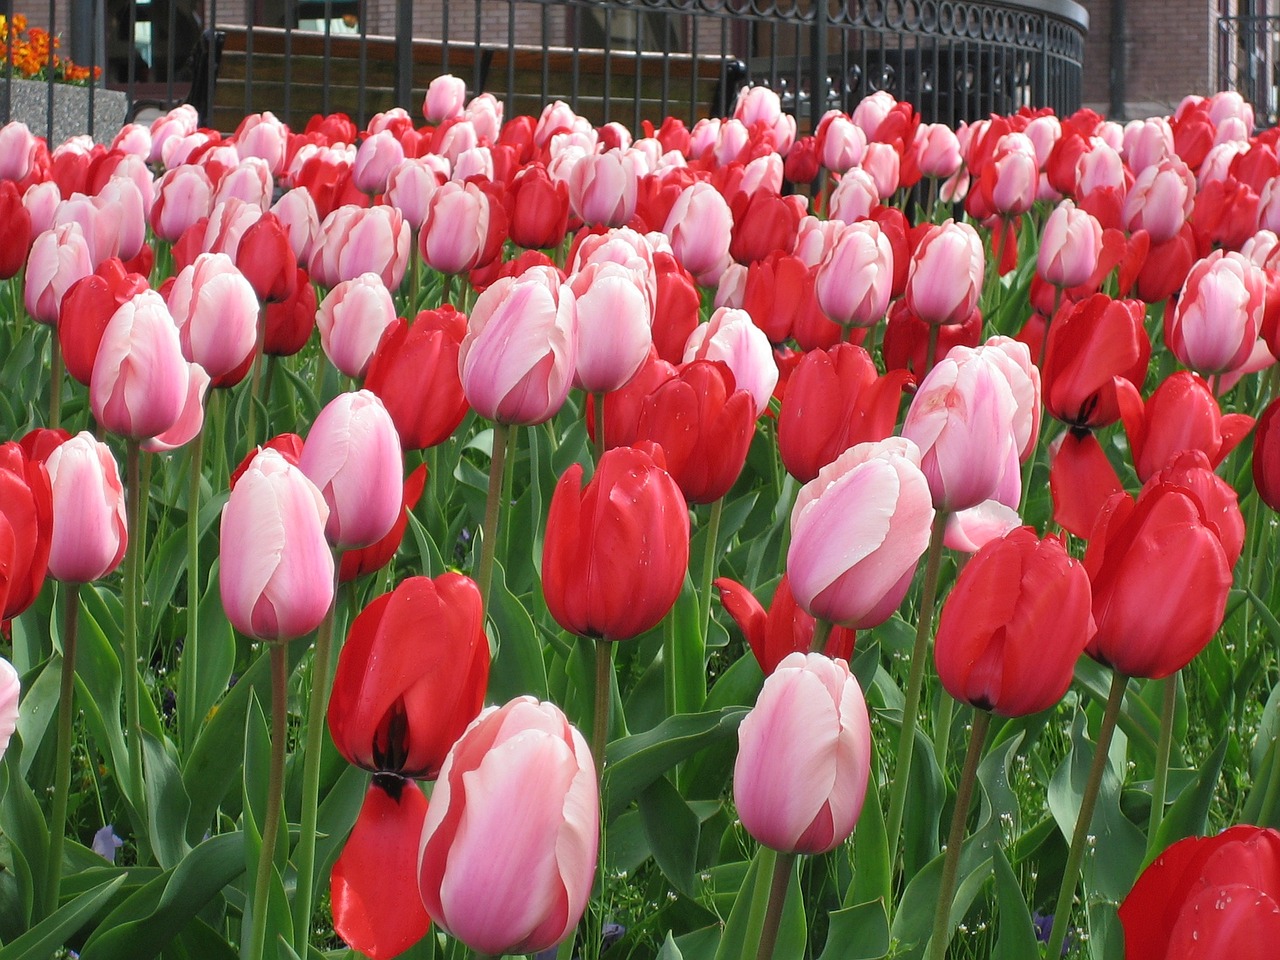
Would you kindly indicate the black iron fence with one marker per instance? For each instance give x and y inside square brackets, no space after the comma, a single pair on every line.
[1248,58]
[624,60]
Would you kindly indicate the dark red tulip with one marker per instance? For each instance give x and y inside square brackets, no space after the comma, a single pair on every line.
[42,441]
[704,426]
[537,209]
[622,406]
[1160,579]
[266,260]
[1182,414]
[1164,269]
[1225,214]
[1014,625]
[1091,345]
[87,306]
[1081,481]
[289,323]
[779,288]
[785,629]
[834,400]
[1266,456]
[1193,134]
[411,676]
[17,230]
[1207,897]
[414,370]
[906,338]
[26,515]
[1190,469]
[802,163]
[676,311]
[376,909]
[616,552]
[762,223]
[357,563]
[288,445]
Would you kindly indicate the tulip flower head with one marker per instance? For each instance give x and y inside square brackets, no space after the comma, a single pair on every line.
[89,529]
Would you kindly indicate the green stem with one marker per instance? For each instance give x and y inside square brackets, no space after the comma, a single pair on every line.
[709,558]
[915,681]
[62,778]
[932,355]
[446,288]
[942,733]
[778,885]
[275,789]
[598,445]
[55,379]
[190,661]
[671,694]
[1071,874]
[255,383]
[1160,781]
[821,630]
[317,714]
[132,585]
[415,273]
[484,576]
[269,377]
[955,839]
[604,698]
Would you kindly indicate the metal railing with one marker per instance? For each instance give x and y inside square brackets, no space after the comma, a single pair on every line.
[625,60]
[1248,58]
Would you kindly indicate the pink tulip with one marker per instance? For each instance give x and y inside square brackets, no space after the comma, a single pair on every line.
[1215,323]
[59,257]
[615,325]
[276,570]
[410,185]
[446,95]
[263,135]
[1069,246]
[89,529]
[872,110]
[18,146]
[1146,143]
[944,279]
[1016,175]
[356,240]
[296,211]
[1160,200]
[518,358]
[602,188]
[961,419]
[883,164]
[216,311]
[733,337]
[854,197]
[1013,358]
[352,454]
[138,386]
[228,221]
[841,142]
[250,180]
[352,318]
[804,756]
[508,849]
[183,195]
[10,691]
[937,150]
[375,159]
[41,201]
[191,421]
[475,162]
[484,113]
[857,531]
[699,225]
[464,229]
[854,281]
[179,122]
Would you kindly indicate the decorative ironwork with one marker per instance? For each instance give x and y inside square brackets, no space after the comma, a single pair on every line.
[1249,63]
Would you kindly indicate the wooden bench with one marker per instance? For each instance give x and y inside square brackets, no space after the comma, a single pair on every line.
[296,74]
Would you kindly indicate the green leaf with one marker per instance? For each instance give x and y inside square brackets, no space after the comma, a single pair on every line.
[152,917]
[690,651]
[1189,814]
[636,761]
[517,667]
[213,658]
[872,874]
[741,936]
[167,802]
[860,932]
[669,949]
[672,829]
[913,921]
[39,706]
[23,826]
[56,929]
[1017,937]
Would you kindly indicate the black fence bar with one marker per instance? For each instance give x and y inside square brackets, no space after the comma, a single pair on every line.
[1249,63]
[617,60]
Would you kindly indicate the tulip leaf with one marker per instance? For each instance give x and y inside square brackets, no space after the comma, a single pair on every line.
[859,932]
[690,666]
[518,667]
[166,564]
[998,799]
[337,815]
[673,830]
[669,950]
[1139,722]
[923,813]
[56,929]
[1189,814]
[39,706]
[872,874]
[213,657]
[23,830]
[741,936]
[167,801]
[255,785]
[636,761]
[913,921]
[150,918]
[1017,938]
[1106,936]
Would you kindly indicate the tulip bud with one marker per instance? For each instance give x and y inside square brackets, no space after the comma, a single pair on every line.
[89,529]
[1069,247]
[352,319]
[446,96]
[615,325]
[464,229]
[731,337]
[945,276]
[26,508]
[216,311]
[354,241]
[59,257]
[700,226]
[1215,322]
[804,756]
[855,278]
[508,850]
[275,569]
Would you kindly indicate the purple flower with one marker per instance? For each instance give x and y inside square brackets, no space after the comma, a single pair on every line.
[106,843]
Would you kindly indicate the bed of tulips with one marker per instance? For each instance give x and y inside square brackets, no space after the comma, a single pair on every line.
[504,536]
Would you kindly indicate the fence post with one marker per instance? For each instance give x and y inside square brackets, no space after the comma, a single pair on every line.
[404,55]
[819,81]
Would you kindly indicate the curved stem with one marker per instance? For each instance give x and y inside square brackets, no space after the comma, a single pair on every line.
[709,558]
[484,576]
[190,661]
[1071,874]
[942,733]
[777,899]
[275,788]
[1160,781]
[317,714]
[604,697]
[932,355]
[915,681]
[821,630]
[132,578]
[955,839]
[62,778]
[55,379]
[446,288]
[255,384]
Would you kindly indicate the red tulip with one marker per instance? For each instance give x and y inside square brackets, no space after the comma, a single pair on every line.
[835,400]
[26,511]
[616,552]
[1182,414]
[784,630]
[675,312]
[18,232]
[411,676]
[1207,897]
[1091,346]
[1014,625]
[1081,481]
[762,223]
[90,303]
[704,425]
[537,209]
[266,259]
[1266,456]
[289,323]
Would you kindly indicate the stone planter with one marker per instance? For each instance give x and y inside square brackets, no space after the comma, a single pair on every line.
[29,102]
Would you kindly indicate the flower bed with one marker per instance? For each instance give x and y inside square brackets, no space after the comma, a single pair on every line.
[509,536]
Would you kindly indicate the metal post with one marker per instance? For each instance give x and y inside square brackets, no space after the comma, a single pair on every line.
[1117,64]
[820,80]
[404,54]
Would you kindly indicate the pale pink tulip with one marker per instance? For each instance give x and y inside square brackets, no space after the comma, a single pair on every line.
[615,325]
[89,529]
[375,159]
[1069,246]
[296,211]
[264,135]
[18,146]
[871,111]
[945,276]
[41,201]
[1215,323]
[854,197]
[460,230]
[355,240]
[884,165]
[179,122]
[446,95]
[841,142]
[216,311]
[410,185]
[139,382]
[183,195]
[352,318]
[731,336]
[228,221]
[250,180]
[1160,199]
[937,150]
[59,257]
[191,421]
[699,226]
[484,111]
[1146,143]
[855,279]
[602,189]
[10,691]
